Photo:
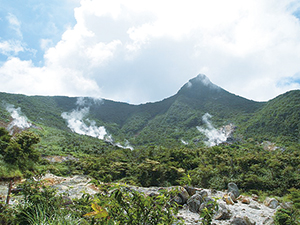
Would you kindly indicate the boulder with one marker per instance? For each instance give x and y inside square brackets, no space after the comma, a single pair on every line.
[203,194]
[233,188]
[190,190]
[242,221]
[254,206]
[245,200]
[226,198]
[208,203]
[271,203]
[182,196]
[254,197]
[194,203]
[223,213]
[232,196]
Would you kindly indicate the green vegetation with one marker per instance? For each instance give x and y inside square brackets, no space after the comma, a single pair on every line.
[124,206]
[17,156]
[156,131]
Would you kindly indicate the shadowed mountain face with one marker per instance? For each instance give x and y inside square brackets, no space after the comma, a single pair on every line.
[164,122]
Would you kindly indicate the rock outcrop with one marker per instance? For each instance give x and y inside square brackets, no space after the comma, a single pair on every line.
[244,210]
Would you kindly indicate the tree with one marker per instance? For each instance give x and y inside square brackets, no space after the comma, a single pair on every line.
[18,153]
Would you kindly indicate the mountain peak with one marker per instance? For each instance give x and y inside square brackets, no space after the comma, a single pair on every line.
[202,79]
[200,83]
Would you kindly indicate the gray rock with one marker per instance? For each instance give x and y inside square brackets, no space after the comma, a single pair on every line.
[203,194]
[182,196]
[268,221]
[208,203]
[254,197]
[271,203]
[190,190]
[238,221]
[223,213]
[233,188]
[194,203]
[232,196]
[254,206]
[286,205]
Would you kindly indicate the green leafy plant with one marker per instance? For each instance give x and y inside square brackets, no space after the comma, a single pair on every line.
[207,213]
[126,206]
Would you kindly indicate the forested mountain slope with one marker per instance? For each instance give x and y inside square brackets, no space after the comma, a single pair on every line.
[169,121]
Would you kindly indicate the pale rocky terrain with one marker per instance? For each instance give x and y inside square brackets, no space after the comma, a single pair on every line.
[251,211]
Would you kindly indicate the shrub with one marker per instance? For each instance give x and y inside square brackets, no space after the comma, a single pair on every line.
[125,206]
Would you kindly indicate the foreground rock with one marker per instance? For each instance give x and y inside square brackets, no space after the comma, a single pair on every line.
[248,211]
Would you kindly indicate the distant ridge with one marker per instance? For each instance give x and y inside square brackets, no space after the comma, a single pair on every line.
[170,120]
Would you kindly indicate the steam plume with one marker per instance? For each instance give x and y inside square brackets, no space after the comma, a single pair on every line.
[77,124]
[19,119]
[214,136]
[126,146]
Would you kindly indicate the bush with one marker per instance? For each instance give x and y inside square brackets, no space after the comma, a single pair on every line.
[125,206]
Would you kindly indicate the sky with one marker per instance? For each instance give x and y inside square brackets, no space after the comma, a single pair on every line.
[139,51]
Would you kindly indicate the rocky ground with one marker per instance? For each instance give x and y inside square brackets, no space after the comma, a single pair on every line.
[233,208]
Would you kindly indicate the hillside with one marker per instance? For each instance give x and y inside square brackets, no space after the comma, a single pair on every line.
[278,118]
[166,143]
[166,122]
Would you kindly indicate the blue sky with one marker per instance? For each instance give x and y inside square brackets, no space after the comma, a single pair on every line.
[141,51]
[31,21]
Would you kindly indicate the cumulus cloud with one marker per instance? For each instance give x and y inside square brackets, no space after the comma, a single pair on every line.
[139,51]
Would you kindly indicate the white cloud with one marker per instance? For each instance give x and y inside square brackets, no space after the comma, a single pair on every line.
[11,47]
[15,24]
[140,51]
[46,44]
[19,76]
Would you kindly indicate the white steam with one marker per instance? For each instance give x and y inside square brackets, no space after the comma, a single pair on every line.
[126,146]
[79,125]
[19,119]
[214,136]
[184,142]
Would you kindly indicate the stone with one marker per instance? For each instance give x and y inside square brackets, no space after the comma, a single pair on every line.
[286,205]
[227,199]
[249,221]
[245,200]
[242,221]
[213,191]
[232,197]
[208,203]
[182,196]
[238,221]
[190,190]
[268,221]
[194,203]
[254,197]
[203,194]
[232,187]
[254,206]
[271,203]
[223,213]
